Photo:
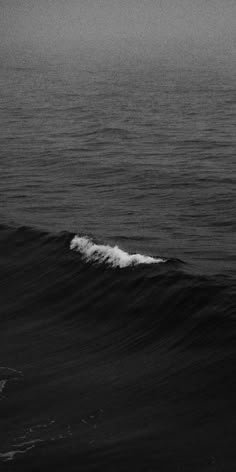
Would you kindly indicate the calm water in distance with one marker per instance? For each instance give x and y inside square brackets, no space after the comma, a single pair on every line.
[140,156]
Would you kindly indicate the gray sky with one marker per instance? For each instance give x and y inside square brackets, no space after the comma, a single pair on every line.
[55,24]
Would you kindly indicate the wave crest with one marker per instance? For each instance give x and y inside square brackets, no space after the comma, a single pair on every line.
[113,256]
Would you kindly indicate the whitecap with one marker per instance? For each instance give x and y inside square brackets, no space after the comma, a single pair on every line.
[111,255]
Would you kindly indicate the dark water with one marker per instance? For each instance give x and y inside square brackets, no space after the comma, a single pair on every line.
[117,346]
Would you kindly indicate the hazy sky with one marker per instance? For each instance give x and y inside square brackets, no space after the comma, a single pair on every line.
[54,24]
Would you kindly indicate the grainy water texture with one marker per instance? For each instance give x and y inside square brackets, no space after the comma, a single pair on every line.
[142,155]
[117,265]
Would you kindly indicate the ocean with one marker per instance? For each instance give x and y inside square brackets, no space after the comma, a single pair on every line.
[117,266]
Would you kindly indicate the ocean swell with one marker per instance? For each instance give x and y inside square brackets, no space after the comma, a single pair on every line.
[101,364]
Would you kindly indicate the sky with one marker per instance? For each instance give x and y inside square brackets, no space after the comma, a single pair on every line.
[138,25]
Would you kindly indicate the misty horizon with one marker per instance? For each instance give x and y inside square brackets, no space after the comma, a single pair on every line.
[145,29]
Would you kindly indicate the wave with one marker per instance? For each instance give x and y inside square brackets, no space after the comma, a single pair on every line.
[113,256]
[102,366]
[67,271]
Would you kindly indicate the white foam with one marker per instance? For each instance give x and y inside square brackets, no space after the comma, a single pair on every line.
[114,256]
[11,370]
[2,385]
[26,443]
[9,456]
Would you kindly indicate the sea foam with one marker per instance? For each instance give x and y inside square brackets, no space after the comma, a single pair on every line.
[2,385]
[111,255]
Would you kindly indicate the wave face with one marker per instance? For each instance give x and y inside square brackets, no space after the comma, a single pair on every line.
[109,369]
[113,256]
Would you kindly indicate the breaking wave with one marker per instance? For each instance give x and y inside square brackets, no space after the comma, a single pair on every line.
[113,256]
[101,368]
